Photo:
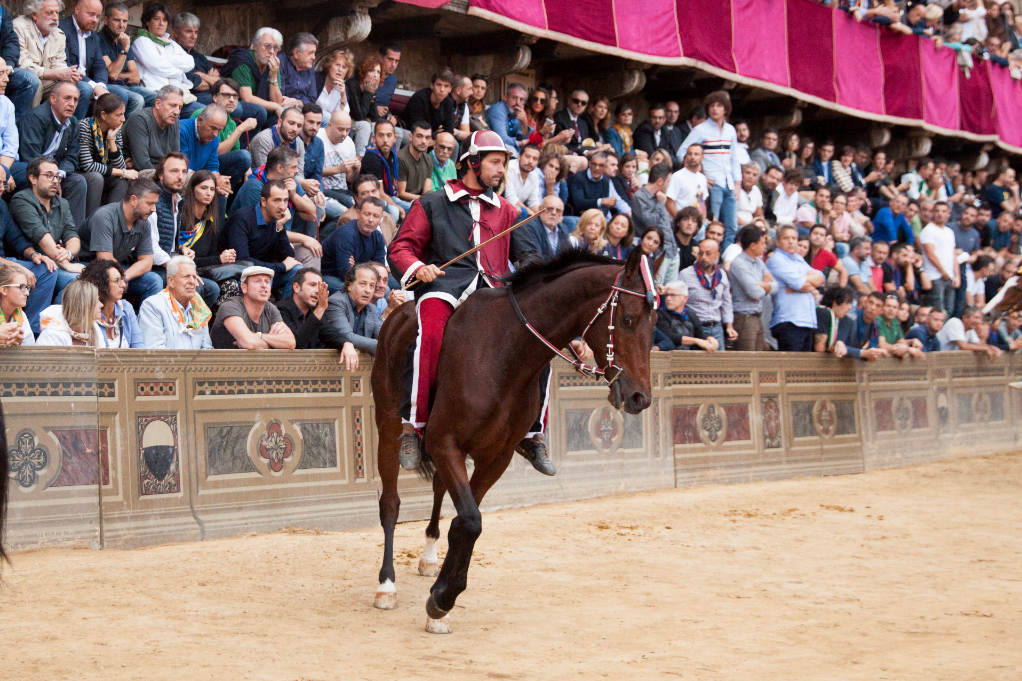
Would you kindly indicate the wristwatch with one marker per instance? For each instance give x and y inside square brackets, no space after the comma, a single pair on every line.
[259,334]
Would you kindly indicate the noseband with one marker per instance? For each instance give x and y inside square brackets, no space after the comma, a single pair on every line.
[611,372]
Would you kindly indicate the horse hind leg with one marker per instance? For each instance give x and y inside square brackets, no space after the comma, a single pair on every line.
[429,564]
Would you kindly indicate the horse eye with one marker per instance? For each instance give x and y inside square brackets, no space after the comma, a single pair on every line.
[629,322]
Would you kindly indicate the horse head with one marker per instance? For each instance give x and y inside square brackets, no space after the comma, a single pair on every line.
[1008,299]
[624,348]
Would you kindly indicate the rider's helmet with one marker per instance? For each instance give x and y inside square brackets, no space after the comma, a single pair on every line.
[479,144]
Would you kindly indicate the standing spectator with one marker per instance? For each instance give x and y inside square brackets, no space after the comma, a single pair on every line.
[720,162]
[286,132]
[177,318]
[150,134]
[508,119]
[434,104]
[710,293]
[940,264]
[45,218]
[38,275]
[960,334]
[572,117]
[521,185]
[680,324]
[81,46]
[822,168]
[794,316]
[117,325]
[357,241]
[350,323]
[121,232]
[749,204]
[251,322]
[303,310]
[686,224]
[297,75]
[390,58]
[926,333]
[333,95]
[1000,233]
[100,153]
[340,163]
[549,235]
[14,291]
[593,189]
[415,165]
[750,282]
[234,161]
[765,155]
[650,135]
[257,235]
[1003,194]
[73,321]
[257,71]
[974,284]
[42,55]
[443,165]
[51,129]
[649,205]
[696,115]
[688,186]
[874,265]
[890,224]
[382,163]
[161,61]
[115,46]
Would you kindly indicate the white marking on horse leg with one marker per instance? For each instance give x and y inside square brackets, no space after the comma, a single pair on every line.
[440,626]
[386,596]
[429,564]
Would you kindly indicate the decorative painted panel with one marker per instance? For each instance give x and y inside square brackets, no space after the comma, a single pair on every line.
[771,406]
[319,444]
[227,449]
[159,466]
[738,429]
[683,425]
[83,454]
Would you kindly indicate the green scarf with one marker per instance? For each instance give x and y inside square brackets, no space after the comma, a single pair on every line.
[142,33]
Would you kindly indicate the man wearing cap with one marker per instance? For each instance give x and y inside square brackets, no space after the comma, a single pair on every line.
[251,322]
[441,226]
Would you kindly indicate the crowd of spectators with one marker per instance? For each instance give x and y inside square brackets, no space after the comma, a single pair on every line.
[250,204]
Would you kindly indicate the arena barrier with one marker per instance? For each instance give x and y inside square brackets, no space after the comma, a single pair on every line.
[132,448]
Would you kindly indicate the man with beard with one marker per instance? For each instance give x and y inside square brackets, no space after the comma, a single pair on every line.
[286,133]
[121,232]
[415,165]
[768,183]
[357,241]
[257,235]
[521,185]
[151,134]
[303,311]
[42,53]
[382,163]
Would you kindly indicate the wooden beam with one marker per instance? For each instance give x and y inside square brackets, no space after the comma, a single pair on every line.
[413,28]
[479,44]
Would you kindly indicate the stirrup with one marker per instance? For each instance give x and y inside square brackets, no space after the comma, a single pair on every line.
[410,454]
[535,452]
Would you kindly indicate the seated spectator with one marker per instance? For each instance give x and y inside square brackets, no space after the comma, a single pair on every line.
[200,143]
[42,51]
[940,264]
[177,318]
[286,132]
[651,135]
[679,324]
[115,46]
[477,102]
[101,157]
[390,57]
[73,321]
[1010,330]
[357,241]
[549,235]
[382,162]
[117,325]
[508,119]
[161,61]
[433,104]
[1001,232]
[460,93]
[823,260]
[649,208]
[24,83]
[749,199]
[841,332]
[794,317]
[589,231]
[14,291]
[121,232]
[333,95]
[234,160]
[298,77]
[185,29]
[750,283]
[45,219]
[36,267]
[303,212]
[350,323]
[361,92]
[365,186]
[926,333]
[312,123]
[51,129]
[874,265]
[415,165]
[960,334]
[619,135]
[198,235]
[250,321]
[540,130]
[765,155]
[859,274]
[688,186]
[710,293]
[786,204]
[686,225]
[151,134]
[257,71]
[521,184]
[444,169]
[257,234]
[900,272]
[593,189]
[303,311]
[889,333]
[890,224]
[996,282]
[387,300]
[81,49]
[1003,193]
[620,236]
[341,164]
[975,278]
[651,242]
[554,172]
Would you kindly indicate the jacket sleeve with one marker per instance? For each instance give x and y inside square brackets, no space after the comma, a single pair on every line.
[29,136]
[408,249]
[135,339]
[237,238]
[97,66]
[523,245]
[10,46]
[13,237]
[69,163]
[335,325]
[497,118]
[150,322]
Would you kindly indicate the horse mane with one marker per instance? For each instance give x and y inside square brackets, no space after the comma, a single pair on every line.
[544,271]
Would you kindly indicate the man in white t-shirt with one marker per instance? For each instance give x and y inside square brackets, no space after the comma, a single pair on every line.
[688,186]
[521,184]
[786,203]
[939,262]
[340,164]
[750,199]
[960,334]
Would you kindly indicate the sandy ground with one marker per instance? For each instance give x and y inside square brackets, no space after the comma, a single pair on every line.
[904,574]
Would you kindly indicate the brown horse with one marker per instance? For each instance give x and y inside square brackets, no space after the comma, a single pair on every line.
[488,394]
[1008,299]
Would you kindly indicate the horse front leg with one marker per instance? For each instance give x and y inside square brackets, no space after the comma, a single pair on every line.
[390,505]
[429,564]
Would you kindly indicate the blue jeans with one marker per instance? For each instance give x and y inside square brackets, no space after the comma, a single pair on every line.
[717,331]
[942,295]
[334,284]
[146,286]
[41,296]
[21,90]
[62,279]
[724,208]
[133,101]
[283,281]
[84,99]
[234,164]
[148,96]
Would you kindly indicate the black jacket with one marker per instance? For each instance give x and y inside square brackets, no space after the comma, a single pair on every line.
[420,108]
[10,48]
[35,131]
[305,329]
[95,67]
[562,121]
[537,231]
[643,138]
[675,326]
[361,103]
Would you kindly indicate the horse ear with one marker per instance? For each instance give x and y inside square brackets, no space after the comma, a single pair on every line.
[632,264]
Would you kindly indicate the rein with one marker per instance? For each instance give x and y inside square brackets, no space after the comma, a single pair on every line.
[649,295]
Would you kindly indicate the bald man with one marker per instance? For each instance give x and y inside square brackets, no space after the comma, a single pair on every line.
[340,164]
[709,293]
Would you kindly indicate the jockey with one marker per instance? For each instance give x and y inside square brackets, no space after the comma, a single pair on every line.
[440,226]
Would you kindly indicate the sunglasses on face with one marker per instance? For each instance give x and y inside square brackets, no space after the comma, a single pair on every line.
[538,100]
[580,102]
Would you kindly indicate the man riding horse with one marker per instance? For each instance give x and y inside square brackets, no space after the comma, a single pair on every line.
[440,226]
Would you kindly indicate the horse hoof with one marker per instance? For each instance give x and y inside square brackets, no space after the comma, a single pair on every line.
[386,596]
[440,626]
[429,568]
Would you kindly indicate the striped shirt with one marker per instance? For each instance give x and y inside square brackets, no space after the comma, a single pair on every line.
[720,152]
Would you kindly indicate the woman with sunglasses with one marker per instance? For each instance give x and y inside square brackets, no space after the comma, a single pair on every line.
[14,290]
[541,128]
[117,326]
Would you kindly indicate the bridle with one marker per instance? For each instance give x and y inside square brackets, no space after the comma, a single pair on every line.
[611,372]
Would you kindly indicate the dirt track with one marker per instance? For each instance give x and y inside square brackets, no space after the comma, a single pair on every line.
[904,574]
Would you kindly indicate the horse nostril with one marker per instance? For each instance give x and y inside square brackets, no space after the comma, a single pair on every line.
[640,400]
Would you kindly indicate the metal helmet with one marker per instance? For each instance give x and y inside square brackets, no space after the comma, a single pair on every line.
[479,144]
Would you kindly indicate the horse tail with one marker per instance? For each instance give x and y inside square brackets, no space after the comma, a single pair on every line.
[426,468]
[4,481]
